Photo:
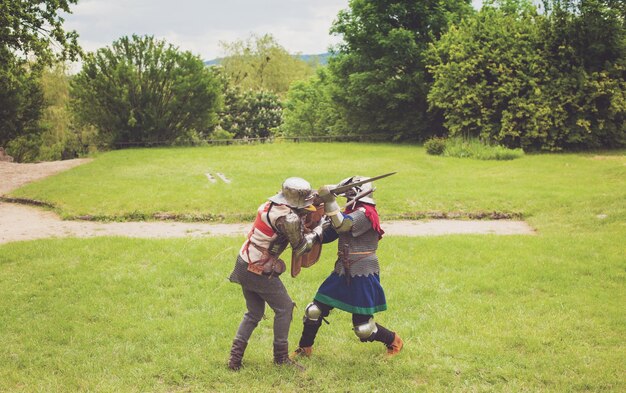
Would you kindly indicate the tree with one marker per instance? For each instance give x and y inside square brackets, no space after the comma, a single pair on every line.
[517,77]
[31,28]
[142,90]
[21,98]
[31,37]
[309,109]
[584,42]
[260,63]
[488,77]
[250,114]
[378,71]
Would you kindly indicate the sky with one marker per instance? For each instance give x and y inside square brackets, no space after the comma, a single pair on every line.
[299,26]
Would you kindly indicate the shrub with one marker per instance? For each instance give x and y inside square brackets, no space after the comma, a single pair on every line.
[474,148]
[435,146]
[220,134]
[521,78]
[189,138]
[250,114]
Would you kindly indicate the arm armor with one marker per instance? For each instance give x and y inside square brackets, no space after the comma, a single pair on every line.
[293,228]
[315,236]
[345,224]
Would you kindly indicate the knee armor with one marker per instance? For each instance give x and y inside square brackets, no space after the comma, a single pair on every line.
[312,312]
[366,330]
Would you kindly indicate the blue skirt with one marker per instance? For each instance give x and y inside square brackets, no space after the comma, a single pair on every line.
[364,295]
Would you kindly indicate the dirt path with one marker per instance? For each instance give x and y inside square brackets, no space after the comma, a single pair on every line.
[19,222]
[13,175]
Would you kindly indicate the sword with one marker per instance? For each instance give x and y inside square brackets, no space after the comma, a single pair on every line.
[341,189]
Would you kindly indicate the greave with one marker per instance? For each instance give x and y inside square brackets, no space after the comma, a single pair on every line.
[384,335]
[309,332]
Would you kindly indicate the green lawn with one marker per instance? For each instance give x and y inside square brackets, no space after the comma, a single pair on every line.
[478,313]
[551,191]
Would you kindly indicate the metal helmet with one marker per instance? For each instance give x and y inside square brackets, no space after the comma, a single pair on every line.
[354,191]
[296,193]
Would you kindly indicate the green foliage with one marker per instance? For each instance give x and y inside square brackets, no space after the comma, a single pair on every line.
[482,66]
[474,148]
[34,28]
[260,63]
[585,44]
[142,90]
[21,99]
[55,137]
[379,74]
[250,114]
[189,138]
[24,148]
[220,134]
[511,76]
[31,37]
[309,109]
[59,138]
[435,146]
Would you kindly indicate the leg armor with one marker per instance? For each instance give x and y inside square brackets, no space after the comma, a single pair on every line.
[366,331]
[312,312]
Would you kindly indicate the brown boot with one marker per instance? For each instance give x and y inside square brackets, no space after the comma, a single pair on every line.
[281,356]
[301,351]
[236,354]
[395,347]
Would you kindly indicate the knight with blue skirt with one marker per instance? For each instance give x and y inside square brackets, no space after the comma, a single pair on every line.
[354,284]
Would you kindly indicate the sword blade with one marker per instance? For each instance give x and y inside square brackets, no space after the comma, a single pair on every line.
[341,189]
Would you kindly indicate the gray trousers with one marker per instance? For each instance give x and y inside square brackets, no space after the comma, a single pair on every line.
[258,290]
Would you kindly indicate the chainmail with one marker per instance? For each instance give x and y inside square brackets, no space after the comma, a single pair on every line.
[361,239]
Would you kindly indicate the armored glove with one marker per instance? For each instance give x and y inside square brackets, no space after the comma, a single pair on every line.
[331,208]
[307,242]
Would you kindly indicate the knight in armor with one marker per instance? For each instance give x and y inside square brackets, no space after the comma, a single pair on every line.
[279,223]
[354,285]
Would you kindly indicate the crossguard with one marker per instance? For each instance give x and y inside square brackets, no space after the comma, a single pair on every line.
[359,196]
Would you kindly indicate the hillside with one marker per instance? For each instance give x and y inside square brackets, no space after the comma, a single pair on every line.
[322,58]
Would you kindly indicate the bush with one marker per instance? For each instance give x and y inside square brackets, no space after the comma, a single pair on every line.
[250,114]
[220,134]
[435,146]
[521,78]
[143,90]
[474,148]
[189,138]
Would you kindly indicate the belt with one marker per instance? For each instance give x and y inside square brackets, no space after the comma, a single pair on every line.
[347,263]
[271,274]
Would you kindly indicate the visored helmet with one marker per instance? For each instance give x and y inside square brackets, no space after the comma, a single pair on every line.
[354,191]
[296,193]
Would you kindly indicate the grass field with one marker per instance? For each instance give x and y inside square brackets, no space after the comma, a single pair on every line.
[551,191]
[478,313]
